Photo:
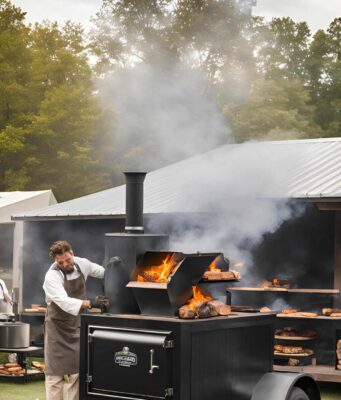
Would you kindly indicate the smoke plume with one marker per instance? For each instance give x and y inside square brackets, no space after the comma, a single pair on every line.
[162,116]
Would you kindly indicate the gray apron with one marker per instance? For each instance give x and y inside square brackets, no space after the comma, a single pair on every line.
[62,333]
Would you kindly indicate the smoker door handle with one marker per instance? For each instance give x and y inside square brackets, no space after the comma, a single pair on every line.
[152,366]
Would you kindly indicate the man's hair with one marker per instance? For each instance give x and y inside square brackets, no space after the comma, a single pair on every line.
[59,248]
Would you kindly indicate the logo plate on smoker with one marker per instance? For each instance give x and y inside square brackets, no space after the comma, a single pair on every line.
[125,358]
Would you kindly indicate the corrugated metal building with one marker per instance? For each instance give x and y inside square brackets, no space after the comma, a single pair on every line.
[304,170]
[11,232]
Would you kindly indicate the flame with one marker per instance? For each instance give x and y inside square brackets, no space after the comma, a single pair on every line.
[198,296]
[158,273]
[213,266]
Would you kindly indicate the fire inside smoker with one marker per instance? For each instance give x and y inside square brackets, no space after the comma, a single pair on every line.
[202,305]
[159,273]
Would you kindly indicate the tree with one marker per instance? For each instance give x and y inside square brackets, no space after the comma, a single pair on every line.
[284,50]
[276,109]
[48,140]
[202,34]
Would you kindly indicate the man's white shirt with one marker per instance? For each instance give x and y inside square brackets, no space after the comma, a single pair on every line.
[3,289]
[54,284]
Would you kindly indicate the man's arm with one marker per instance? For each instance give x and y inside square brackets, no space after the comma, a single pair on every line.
[7,297]
[95,270]
[54,290]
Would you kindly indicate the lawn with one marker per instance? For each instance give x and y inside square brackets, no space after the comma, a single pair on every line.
[35,391]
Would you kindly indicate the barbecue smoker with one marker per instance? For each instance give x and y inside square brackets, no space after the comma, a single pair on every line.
[141,350]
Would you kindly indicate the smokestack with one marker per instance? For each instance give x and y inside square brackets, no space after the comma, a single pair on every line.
[134,201]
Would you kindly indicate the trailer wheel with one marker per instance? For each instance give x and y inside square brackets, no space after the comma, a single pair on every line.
[298,394]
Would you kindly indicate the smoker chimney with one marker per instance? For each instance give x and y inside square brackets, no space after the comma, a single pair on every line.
[134,201]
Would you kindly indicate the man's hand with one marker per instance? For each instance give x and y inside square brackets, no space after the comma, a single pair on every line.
[86,304]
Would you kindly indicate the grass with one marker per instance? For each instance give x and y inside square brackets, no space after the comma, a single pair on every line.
[34,390]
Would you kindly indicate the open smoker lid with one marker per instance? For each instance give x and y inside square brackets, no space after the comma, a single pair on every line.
[166,296]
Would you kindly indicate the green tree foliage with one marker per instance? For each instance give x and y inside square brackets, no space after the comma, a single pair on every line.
[202,34]
[296,90]
[276,109]
[48,111]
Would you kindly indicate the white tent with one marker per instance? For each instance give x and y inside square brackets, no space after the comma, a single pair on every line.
[11,232]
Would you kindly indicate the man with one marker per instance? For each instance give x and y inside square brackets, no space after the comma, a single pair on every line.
[5,298]
[64,287]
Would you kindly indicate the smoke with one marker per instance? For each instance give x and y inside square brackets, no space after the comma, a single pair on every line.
[238,194]
[162,115]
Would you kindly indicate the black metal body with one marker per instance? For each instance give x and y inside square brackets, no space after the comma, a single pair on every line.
[134,201]
[216,358]
[126,250]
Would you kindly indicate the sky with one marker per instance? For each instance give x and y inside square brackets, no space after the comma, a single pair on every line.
[318,13]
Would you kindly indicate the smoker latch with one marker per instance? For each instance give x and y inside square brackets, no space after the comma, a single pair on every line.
[152,366]
[169,392]
[88,378]
[169,344]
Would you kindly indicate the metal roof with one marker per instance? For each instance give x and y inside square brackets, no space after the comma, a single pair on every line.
[301,169]
[18,201]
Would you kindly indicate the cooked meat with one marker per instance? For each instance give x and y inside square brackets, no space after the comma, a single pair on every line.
[329,311]
[292,349]
[306,314]
[293,362]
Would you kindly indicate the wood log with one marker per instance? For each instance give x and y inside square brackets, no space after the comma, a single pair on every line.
[338,366]
[148,277]
[338,344]
[221,276]
[338,354]
[185,312]
[206,310]
[220,307]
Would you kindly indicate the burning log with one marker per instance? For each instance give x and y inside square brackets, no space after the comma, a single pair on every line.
[221,308]
[185,312]
[159,273]
[148,277]
[206,310]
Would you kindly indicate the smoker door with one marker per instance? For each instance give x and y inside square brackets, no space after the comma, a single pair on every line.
[129,364]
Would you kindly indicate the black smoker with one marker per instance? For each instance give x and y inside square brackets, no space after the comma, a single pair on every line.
[129,355]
